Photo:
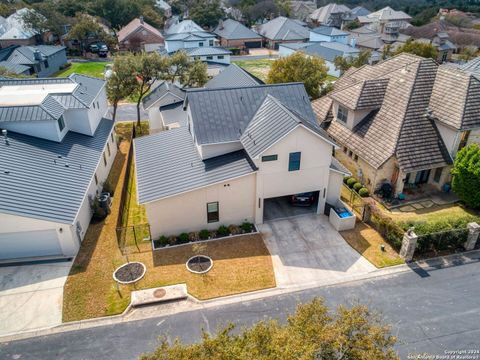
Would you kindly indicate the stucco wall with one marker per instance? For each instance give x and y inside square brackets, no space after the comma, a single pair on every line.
[188,211]
[334,188]
[42,129]
[474,137]
[211,150]
[449,136]
[155,119]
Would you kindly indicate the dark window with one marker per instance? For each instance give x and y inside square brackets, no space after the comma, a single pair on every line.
[350,153]
[355,157]
[108,148]
[437,175]
[209,57]
[342,113]
[269,158]
[46,64]
[61,123]
[98,105]
[345,149]
[220,57]
[96,179]
[111,135]
[212,212]
[294,161]
[200,44]
[211,42]
[104,159]
[94,105]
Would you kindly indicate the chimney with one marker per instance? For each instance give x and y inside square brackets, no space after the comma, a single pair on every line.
[37,55]
[5,136]
[141,19]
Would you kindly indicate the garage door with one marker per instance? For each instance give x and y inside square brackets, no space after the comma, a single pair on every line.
[253,44]
[29,244]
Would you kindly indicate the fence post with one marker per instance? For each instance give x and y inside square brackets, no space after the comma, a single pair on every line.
[473,233]
[367,213]
[409,243]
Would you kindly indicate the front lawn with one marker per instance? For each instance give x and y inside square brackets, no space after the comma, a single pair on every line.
[367,241]
[259,67]
[90,68]
[451,212]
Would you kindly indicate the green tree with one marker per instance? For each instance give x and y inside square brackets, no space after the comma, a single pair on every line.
[468,53]
[466,175]
[313,332]
[196,76]
[206,13]
[45,17]
[121,83]
[344,63]
[425,50]
[311,70]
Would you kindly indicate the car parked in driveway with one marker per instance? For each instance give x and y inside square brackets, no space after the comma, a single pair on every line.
[303,199]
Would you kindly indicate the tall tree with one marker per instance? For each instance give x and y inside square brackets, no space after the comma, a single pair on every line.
[196,76]
[468,53]
[466,175]
[344,63]
[311,70]
[207,13]
[121,83]
[313,332]
[425,50]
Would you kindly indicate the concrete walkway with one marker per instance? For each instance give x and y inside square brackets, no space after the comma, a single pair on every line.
[31,296]
[306,249]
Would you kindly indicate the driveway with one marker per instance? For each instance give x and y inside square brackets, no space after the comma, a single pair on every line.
[306,249]
[31,296]
[128,112]
[281,207]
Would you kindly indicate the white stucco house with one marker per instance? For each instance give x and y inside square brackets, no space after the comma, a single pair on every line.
[240,146]
[57,149]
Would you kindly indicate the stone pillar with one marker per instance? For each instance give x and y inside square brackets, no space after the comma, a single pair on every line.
[409,243]
[473,233]
[367,213]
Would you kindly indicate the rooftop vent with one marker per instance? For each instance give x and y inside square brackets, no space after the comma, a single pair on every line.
[5,136]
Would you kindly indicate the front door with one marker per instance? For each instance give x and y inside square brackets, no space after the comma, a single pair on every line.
[422,177]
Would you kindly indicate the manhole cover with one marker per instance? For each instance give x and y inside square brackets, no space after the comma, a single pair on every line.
[159,293]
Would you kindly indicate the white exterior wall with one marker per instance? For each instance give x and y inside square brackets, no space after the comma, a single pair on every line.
[274,179]
[77,121]
[155,119]
[95,114]
[284,51]
[335,180]
[212,150]
[450,137]
[314,37]
[215,58]
[474,137]
[47,129]
[188,212]
[174,45]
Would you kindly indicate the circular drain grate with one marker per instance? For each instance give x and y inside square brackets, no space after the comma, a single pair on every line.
[159,293]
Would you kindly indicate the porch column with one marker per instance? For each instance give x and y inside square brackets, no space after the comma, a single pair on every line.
[409,244]
[473,233]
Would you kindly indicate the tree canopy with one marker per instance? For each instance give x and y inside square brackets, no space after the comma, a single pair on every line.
[88,27]
[425,50]
[344,63]
[298,67]
[466,175]
[313,332]
[206,13]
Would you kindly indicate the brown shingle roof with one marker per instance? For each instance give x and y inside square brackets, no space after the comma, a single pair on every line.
[133,26]
[367,94]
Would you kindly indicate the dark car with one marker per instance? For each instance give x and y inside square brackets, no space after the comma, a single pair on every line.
[303,199]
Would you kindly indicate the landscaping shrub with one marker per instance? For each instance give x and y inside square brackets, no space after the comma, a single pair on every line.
[346,178]
[390,230]
[234,229]
[466,175]
[203,234]
[352,181]
[193,236]
[357,186]
[223,231]
[246,226]
[213,234]
[163,240]
[363,192]
[183,238]
[172,240]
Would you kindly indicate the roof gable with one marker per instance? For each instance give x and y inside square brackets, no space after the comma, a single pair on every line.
[134,26]
[233,30]
[233,76]
[282,28]
[159,93]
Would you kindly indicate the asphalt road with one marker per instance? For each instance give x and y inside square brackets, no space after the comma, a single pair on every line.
[128,112]
[430,312]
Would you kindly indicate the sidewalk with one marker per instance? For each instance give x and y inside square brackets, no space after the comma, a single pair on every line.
[132,314]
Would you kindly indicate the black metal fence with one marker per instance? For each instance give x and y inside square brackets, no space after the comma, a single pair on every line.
[134,238]
[452,239]
[354,200]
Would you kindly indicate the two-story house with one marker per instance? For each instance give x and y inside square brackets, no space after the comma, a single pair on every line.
[401,121]
[57,149]
[138,35]
[241,146]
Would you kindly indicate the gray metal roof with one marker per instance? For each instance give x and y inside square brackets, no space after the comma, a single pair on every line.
[14,68]
[221,115]
[271,122]
[174,113]
[233,30]
[190,36]
[183,27]
[323,14]
[162,173]
[233,76]
[329,31]
[88,89]
[207,50]
[337,166]
[36,181]
[282,28]
[49,109]
[326,50]
[25,55]
[160,91]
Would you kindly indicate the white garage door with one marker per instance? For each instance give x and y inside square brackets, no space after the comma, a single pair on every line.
[29,244]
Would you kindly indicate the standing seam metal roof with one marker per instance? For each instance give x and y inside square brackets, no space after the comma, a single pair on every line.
[233,76]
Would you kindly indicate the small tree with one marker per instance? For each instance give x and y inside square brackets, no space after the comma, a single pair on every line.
[425,50]
[313,332]
[466,175]
[311,70]
[468,53]
[121,83]
[344,63]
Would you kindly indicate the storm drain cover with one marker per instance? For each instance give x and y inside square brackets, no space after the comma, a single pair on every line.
[159,293]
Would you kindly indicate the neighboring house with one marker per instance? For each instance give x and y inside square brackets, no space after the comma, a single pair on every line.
[236,35]
[402,120]
[241,146]
[386,20]
[329,15]
[282,30]
[353,15]
[233,76]
[328,33]
[40,60]
[185,26]
[165,7]
[444,46]
[189,40]
[13,30]
[138,35]
[57,151]
[210,54]
[369,38]
[165,107]
[301,10]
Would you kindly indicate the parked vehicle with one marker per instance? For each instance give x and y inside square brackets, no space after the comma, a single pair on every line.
[98,48]
[303,199]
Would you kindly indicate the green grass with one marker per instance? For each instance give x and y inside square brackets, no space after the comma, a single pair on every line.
[259,68]
[91,68]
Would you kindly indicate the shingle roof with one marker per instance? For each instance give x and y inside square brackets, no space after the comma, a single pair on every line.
[133,27]
[400,126]
[271,122]
[160,91]
[221,115]
[367,94]
[162,173]
[183,27]
[385,14]
[36,181]
[282,28]
[233,30]
[233,76]
[329,31]
[322,14]
[207,50]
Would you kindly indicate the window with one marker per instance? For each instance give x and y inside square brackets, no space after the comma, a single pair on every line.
[355,157]
[108,149]
[345,149]
[209,57]
[212,212]
[61,123]
[210,42]
[294,161]
[269,158]
[94,105]
[200,44]
[46,64]
[342,113]
[220,57]
[98,105]
[350,153]
[96,179]
[437,175]
[444,56]
[104,159]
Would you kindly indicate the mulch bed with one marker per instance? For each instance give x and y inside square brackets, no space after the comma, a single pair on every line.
[199,263]
[129,272]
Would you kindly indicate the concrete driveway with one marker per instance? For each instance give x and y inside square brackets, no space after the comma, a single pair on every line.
[306,250]
[128,112]
[31,296]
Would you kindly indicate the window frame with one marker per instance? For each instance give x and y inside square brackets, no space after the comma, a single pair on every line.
[267,158]
[294,164]
[342,112]
[61,123]
[213,216]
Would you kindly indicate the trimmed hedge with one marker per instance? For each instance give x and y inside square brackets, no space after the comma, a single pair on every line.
[352,181]
[363,192]
[357,186]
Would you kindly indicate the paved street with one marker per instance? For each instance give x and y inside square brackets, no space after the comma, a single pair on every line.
[128,112]
[430,312]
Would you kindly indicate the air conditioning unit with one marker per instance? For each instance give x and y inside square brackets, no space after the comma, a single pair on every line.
[105,201]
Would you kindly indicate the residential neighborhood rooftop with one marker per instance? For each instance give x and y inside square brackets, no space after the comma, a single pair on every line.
[282,28]
[233,30]
[159,91]
[233,76]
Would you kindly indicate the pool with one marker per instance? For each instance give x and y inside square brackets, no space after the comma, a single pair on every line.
[343,212]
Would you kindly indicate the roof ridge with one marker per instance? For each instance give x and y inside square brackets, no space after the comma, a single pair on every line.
[194,90]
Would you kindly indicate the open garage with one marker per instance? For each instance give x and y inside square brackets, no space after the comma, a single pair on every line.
[291,205]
